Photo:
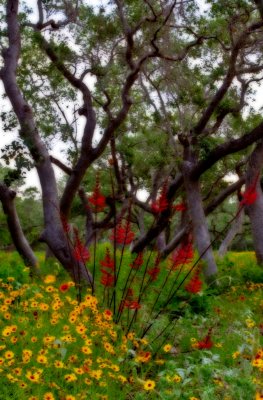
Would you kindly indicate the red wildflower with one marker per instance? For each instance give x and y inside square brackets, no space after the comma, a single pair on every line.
[108,313]
[129,294]
[154,272]
[107,262]
[161,204]
[97,199]
[107,279]
[134,305]
[206,343]
[183,255]
[80,252]
[123,234]
[194,285]
[64,287]
[131,304]
[249,196]
[180,207]
[137,262]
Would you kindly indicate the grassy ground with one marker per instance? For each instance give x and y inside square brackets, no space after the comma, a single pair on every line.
[54,348]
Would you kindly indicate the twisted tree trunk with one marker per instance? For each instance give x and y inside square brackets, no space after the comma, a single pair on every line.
[199,223]
[234,229]
[53,234]
[7,197]
[255,209]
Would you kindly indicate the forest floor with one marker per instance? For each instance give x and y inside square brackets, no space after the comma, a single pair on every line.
[55,345]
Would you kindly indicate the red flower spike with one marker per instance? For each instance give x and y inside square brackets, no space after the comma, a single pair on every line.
[154,272]
[194,285]
[129,293]
[183,255]
[180,207]
[107,262]
[107,279]
[134,305]
[97,200]
[137,262]
[131,304]
[206,343]
[80,252]
[249,196]
[161,204]
[123,234]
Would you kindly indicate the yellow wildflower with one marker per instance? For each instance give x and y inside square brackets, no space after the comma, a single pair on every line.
[149,385]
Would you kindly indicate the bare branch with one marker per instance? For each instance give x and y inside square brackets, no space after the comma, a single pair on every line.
[61,165]
[231,73]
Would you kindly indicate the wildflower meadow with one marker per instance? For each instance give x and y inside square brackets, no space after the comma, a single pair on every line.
[55,345]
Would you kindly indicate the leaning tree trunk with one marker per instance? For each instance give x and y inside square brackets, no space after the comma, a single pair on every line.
[53,234]
[7,197]
[234,229]
[161,242]
[255,209]
[199,223]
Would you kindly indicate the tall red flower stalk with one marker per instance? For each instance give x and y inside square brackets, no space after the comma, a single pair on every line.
[114,243]
[206,343]
[121,235]
[195,284]
[153,274]
[97,200]
[155,270]
[134,266]
[81,254]
[183,255]
[170,295]
[137,262]
[97,203]
[140,292]
[161,203]
[129,302]
[159,293]
[107,271]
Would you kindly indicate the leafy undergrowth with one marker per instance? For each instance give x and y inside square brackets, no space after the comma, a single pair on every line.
[52,347]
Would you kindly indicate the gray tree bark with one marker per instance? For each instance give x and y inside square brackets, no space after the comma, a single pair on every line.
[255,210]
[199,224]
[161,242]
[234,229]
[7,197]
[53,233]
